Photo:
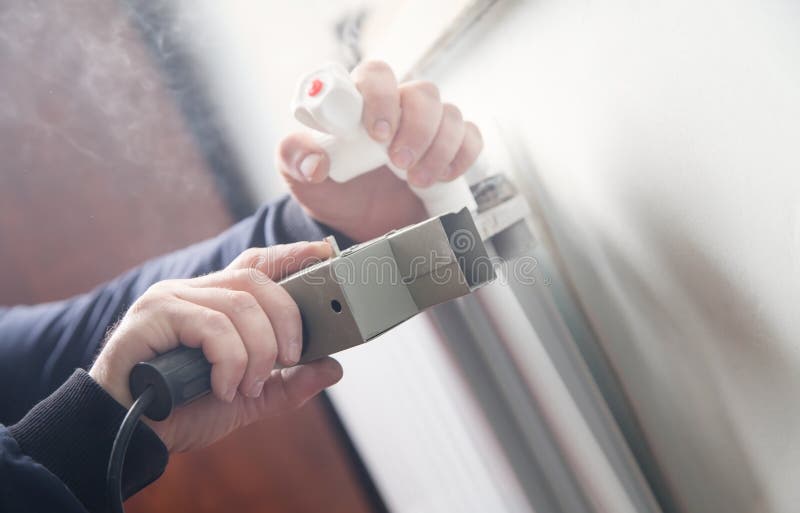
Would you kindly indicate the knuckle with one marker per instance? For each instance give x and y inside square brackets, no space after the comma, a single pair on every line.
[139,306]
[216,322]
[283,151]
[241,301]
[476,133]
[381,104]
[238,361]
[250,254]
[253,259]
[452,112]
[153,299]
[374,66]
[256,273]
[287,148]
[424,88]
[433,163]
[237,278]
[257,276]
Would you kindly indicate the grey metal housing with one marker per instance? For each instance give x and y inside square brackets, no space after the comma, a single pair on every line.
[372,287]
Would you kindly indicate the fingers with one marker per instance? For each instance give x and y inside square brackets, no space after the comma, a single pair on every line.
[300,159]
[281,260]
[419,123]
[251,272]
[433,142]
[276,303]
[470,149]
[245,309]
[435,164]
[291,388]
[428,139]
[285,318]
[378,85]
[195,325]
[240,319]
[253,326]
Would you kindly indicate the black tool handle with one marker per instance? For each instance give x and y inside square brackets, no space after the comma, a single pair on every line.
[177,377]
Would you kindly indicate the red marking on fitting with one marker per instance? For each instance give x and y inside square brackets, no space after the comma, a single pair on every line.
[316,87]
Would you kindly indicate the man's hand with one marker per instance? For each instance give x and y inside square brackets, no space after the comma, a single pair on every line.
[244,322]
[426,137]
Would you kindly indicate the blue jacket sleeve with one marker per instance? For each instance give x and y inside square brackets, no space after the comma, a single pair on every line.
[41,345]
[53,458]
[27,486]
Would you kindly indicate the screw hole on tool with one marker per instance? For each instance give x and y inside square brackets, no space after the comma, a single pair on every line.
[336,306]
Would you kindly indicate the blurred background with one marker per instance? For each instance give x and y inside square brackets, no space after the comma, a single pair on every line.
[652,367]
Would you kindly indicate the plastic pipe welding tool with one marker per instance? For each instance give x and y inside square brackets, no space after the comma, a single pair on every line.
[369,288]
[364,290]
[347,300]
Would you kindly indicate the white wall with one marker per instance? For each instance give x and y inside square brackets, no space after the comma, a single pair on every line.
[666,143]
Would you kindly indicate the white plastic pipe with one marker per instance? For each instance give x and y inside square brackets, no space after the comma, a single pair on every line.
[328,102]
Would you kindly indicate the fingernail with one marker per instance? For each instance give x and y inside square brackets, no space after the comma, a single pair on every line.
[256,389]
[294,350]
[309,164]
[403,158]
[382,130]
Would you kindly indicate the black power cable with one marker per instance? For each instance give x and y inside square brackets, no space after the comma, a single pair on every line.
[120,447]
[160,385]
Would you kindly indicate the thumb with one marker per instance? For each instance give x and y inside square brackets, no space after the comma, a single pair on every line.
[281,260]
[287,389]
[301,160]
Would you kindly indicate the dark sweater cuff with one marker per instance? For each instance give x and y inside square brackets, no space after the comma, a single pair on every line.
[71,433]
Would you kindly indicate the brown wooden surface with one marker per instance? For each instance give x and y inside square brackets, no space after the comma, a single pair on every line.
[283,464]
[98,170]
[97,173]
